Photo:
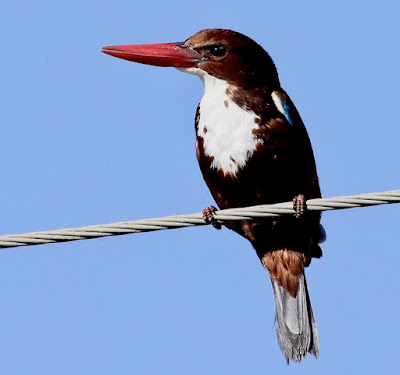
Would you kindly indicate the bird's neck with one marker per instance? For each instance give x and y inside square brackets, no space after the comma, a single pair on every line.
[226,129]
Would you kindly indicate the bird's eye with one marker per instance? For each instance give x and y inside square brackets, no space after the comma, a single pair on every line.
[218,51]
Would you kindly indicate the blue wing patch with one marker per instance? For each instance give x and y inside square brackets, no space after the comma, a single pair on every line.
[284,105]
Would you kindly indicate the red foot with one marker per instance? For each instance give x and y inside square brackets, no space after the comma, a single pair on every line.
[300,205]
[208,216]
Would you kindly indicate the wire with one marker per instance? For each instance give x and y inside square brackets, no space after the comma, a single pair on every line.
[196,219]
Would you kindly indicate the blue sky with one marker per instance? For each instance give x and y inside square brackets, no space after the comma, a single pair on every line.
[90,139]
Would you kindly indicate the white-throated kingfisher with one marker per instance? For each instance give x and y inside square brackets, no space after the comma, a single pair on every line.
[253,149]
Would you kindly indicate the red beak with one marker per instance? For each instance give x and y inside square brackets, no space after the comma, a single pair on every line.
[163,54]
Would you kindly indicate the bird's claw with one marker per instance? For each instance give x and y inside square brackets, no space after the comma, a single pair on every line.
[299,205]
[208,216]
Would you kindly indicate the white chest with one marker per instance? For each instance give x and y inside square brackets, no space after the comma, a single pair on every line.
[227,130]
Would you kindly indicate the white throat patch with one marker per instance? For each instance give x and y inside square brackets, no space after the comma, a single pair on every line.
[226,129]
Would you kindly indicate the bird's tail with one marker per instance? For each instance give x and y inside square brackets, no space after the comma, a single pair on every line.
[295,323]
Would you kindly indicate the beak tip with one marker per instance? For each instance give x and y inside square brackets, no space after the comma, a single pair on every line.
[105,50]
[111,51]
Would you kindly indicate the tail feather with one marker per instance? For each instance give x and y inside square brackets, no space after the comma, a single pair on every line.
[295,323]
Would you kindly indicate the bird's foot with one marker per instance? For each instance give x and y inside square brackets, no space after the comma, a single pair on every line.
[300,205]
[208,216]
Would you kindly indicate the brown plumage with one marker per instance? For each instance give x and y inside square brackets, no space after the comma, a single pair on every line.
[285,266]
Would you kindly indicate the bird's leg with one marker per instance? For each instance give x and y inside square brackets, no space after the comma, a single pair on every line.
[300,205]
[208,216]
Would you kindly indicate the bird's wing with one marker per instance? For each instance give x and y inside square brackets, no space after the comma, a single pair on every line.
[284,105]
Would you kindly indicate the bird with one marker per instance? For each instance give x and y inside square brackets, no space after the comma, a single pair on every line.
[253,148]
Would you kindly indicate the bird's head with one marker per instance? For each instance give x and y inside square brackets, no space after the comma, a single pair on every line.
[224,54]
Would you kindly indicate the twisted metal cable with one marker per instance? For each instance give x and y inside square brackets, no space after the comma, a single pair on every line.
[181,221]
